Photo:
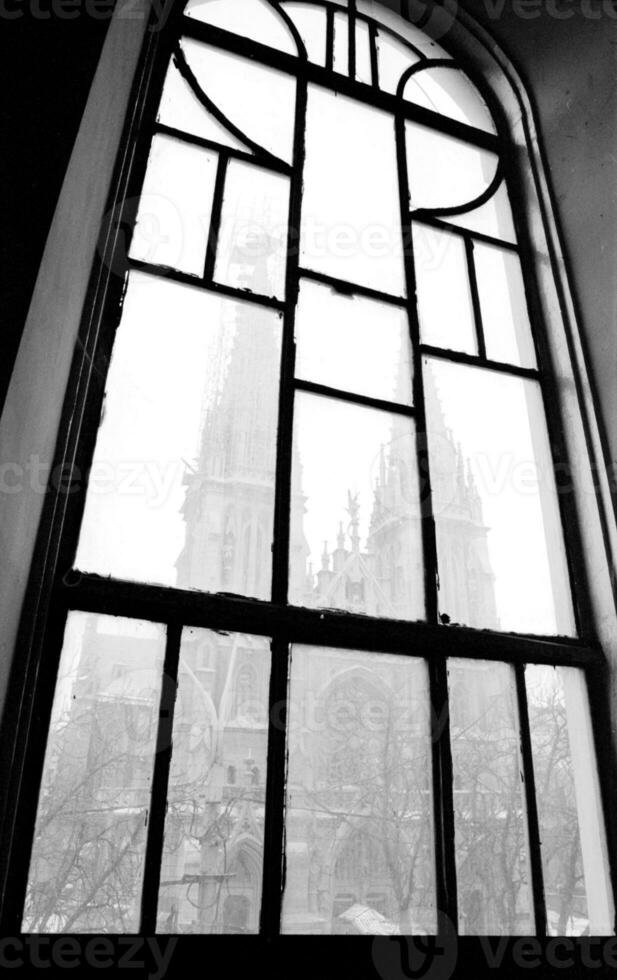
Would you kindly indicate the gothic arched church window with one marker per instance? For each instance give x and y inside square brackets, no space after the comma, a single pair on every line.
[326,455]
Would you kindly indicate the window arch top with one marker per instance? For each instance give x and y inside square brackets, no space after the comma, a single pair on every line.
[360,40]
[295,204]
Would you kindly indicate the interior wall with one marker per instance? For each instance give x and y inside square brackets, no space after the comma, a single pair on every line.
[69,245]
[47,67]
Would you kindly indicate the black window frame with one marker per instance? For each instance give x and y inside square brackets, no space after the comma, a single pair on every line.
[56,588]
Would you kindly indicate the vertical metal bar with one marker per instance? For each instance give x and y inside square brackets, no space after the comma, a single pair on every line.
[533,826]
[282,502]
[215,218]
[275,789]
[274,827]
[352,38]
[443,799]
[372,30]
[160,782]
[329,38]
[443,803]
[599,694]
[428,523]
[475,296]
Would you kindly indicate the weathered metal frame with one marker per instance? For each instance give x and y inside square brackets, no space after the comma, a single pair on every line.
[56,588]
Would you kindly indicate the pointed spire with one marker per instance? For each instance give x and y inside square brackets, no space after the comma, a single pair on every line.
[325,558]
[340,541]
[353,509]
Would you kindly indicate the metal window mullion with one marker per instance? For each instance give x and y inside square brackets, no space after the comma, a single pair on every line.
[533,826]
[475,296]
[160,782]
[215,217]
[329,39]
[374,55]
[274,823]
[428,522]
[274,827]
[443,799]
[282,502]
[351,35]
[443,806]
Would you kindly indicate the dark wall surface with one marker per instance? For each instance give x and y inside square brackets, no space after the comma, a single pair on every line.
[46,68]
[565,49]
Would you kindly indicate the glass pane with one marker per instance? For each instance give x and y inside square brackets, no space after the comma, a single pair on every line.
[181,109]
[449,91]
[341,44]
[254,19]
[505,319]
[351,222]
[445,172]
[252,245]
[574,857]
[353,343]
[87,863]
[492,851]
[311,24]
[173,220]
[355,519]
[211,873]
[359,829]
[500,543]
[263,106]
[182,486]
[444,298]
[394,58]
[493,218]
[364,71]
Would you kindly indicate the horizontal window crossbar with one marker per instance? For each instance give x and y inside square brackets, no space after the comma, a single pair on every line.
[484,362]
[350,396]
[291,64]
[322,627]
[267,163]
[426,219]
[165,272]
[352,288]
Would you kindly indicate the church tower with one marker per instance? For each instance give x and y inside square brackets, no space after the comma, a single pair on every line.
[229,504]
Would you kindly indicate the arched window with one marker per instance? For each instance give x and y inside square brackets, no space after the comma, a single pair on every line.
[326,426]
